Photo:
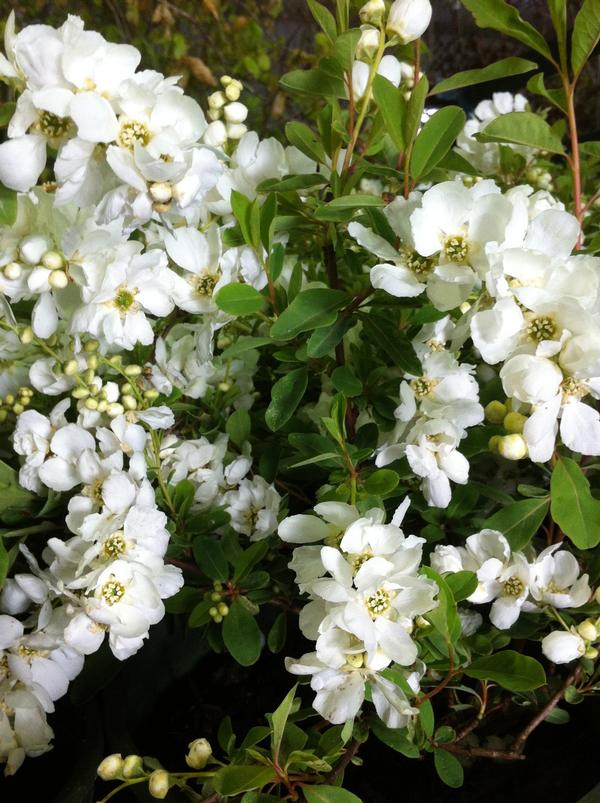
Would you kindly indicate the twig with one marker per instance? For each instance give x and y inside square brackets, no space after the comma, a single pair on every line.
[519,742]
[481,752]
[349,754]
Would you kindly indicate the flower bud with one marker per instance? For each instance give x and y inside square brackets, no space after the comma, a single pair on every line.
[115,409]
[514,423]
[70,368]
[214,114]
[233,90]
[26,335]
[18,408]
[80,393]
[587,630]
[133,767]
[91,346]
[372,12]
[151,394]
[368,44]
[111,767]
[236,130]
[129,402]
[91,404]
[223,609]
[591,653]
[495,412]
[217,100]
[161,192]
[158,784]
[408,19]
[512,447]
[199,751]
[132,370]
[494,443]
[58,280]
[562,647]
[33,248]
[12,271]
[53,260]
[215,134]
[235,112]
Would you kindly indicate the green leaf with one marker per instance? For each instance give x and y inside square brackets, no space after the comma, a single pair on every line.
[292,183]
[6,112]
[277,634]
[501,16]
[520,521]
[200,614]
[286,395]
[239,299]
[444,618]
[449,768]
[249,558]
[4,563]
[394,343]
[396,738]
[522,128]
[242,636]
[279,718]
[414,111]
[558,14]
[355,201]
[499,69]
[324,18]
[234,779]
[314,82]
[435,139]
[345,380]
[305,139]
[243,344]
[382,482]
[209,556]
[345,47]
[309,310]
[586,32]
[573,507]
[8,206]
[508,669]
[238,427]
[13,498]
[461,584]
[392,105]
[328,794]
[555,96]
[326,338]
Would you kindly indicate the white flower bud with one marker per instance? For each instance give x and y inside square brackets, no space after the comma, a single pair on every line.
[562,647]
[512,447]
[12,271]
[58,280]
[53,260]
[235,112]
[129,402]
[226,80]
[514,423]
[214,114]
[158,784]
[236,130]
[33,248]
[372,12]
[70,368]
[215,134]
[587,630]
[26,335]
[217,100]
[233,91]
[495,412]
[199,751]
[368,44]
[133,767]
[408,19]
[114,409]
[132,370]
[161,192]
[110,768]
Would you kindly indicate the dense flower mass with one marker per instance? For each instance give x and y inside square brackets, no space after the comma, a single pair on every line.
[227,365]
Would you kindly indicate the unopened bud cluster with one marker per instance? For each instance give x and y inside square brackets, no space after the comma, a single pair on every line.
[15,402]
[228,115]
[511,446]
[220,609]
[405,21]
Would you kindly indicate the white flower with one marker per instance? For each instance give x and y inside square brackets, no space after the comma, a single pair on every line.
[531,379]
[562,647]
[556,581]
[408,19]
[253,508]
[331,520]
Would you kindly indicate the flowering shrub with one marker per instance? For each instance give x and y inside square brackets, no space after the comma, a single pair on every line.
[353,378]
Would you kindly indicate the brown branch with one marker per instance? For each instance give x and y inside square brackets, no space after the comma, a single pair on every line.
[519,742]
[349,754]
[480,752]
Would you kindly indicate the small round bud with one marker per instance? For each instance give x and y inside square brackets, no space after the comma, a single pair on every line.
[115,409]
[591,653]
[213,612]
[92,361]
[494,443]
[53,260]
[233,91]
[151,394]
[214,114]
[33,248]
[91,404]
[133,767]
[215,134]
[80,393]
[158,784]
[26,335]
[129,402]
[223,609]
[58,280]
[495,412]
[199,751]
[372,12]
[161,192]
[217,585]
[132,370]
[111,767]
[217,100]
[3,415]
[91,346]
[368,44]
[215,596]
[226,80]
[217,619]
[18,408]
[408,19]
[88,376]
[115,361]
[514,423]
[70,368]
[224,387]
[25,400]
[9,399]
[512,447]
[587,630]
[102,406]
[126,387]
[235,112]
[236,130]
[12,271]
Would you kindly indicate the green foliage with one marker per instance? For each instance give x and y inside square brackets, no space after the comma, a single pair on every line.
[509,669]
[573,507]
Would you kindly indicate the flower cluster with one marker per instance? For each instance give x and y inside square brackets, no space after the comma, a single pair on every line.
[365,595]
